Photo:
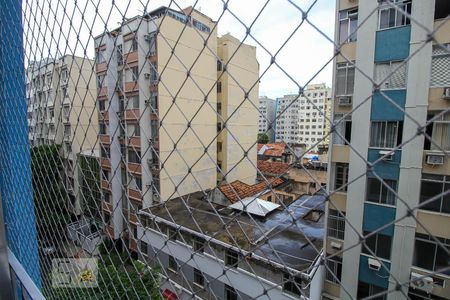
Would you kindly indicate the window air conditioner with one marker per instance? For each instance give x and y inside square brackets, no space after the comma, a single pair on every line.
[446,94]
[374,264]
[387,155]
[421,282]
[336,245]
[345,101]
[435,159]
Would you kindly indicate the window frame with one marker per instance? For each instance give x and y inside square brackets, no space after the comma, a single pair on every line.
[198,278]
[376,249]
[387,7]
[231,258]
[172,264]
[443,181]
[424,238]
[382,188]
[348,19]
[334,266]
[291,286]
[348,67]
[335,218]
[397,138]
[342,187]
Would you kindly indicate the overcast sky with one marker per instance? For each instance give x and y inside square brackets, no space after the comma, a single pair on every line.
[304,54]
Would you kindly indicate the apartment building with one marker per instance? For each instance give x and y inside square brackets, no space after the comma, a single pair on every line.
[61,110]
[304,119]
[243,261]
[266,120]
[165,127]
[414,86]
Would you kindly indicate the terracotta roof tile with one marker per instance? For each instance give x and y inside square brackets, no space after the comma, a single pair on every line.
[272,167]
[275,149]
[239,190]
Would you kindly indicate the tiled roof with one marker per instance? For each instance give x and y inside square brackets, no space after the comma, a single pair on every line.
[275,149]
[239,190]
[272,167]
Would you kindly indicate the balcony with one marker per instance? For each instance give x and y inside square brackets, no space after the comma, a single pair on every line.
[107,207]
[132,114]
[133,245]
[131,86]
[101,67]
[134,194]
[103,92]
[135,168]
[130,57]
[109,231]
[134,141]
[104,138]
[103,116]
[105,163]
[105,185]
[134,218]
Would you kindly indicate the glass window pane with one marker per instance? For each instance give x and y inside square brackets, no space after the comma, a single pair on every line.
[429,190]
[442,260]
[384,246]
[423,254]
[384,19]
[341,76]
[374,187]
[343,31]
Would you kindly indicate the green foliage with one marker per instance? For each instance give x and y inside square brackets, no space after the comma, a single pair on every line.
[50,197]
[129,279]
[263,138]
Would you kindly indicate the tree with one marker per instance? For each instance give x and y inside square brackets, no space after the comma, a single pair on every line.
[50,197]
[263,138]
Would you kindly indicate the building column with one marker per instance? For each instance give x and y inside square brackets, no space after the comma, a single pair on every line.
[418,83]
[361,124]
[15,166]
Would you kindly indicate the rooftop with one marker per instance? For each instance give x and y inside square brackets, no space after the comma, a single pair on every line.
[238,190]
[296,246]
[275,149]
[272,168]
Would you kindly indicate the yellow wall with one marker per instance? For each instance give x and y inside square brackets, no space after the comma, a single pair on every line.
[190,96]
[242,120]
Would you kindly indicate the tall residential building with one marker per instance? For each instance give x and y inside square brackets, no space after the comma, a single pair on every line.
[304,119]
[412,72]
[267,117]
[61,110]
[164,128]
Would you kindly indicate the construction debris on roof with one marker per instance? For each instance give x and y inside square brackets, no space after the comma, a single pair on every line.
[275,149]
[255,206]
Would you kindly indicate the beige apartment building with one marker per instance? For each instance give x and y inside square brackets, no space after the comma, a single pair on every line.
[60,114]
[162,104]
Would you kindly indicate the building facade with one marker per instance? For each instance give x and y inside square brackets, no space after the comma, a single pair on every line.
[266,120]
[408,168]
[61,110]
[305,119]
[163,100]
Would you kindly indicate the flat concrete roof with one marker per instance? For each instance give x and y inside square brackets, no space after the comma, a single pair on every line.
[274,237]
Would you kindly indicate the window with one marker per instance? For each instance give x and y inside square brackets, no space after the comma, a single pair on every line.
[378,192]
[134,73]
[198,278]
[119,54]
[334,269]
[391,75]
[336,224]
[120,80]
[101,105]
[219,65]
[173,266]
[433,186]
[341,178]
[198,244]
[138,182]
[231,258]
[200,26]
[440,66]
[428,254]
[144,247]
[379,244]
[104,152]
[67,130]
[386,134]
[153,72]
[102,128]
[345,79]
[219,87]
[134,45]
[154,101]
[366,290]
[292,285]
[152,43]
[390,17]
[100,58]
[439,131]
[100,81]
[154,128]
[105,174]
[219,146]
[230,293]
[134,157]
[219,126]
[348,23]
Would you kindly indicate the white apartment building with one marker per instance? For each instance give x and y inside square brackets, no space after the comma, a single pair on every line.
[266,109]
[304,119]
[61,110]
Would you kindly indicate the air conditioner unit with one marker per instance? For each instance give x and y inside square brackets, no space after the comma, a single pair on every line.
[147,75]
[446,93]
[374,264]
[336,245]
[435,159]
[387,155]
[424,283]
[345,101]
